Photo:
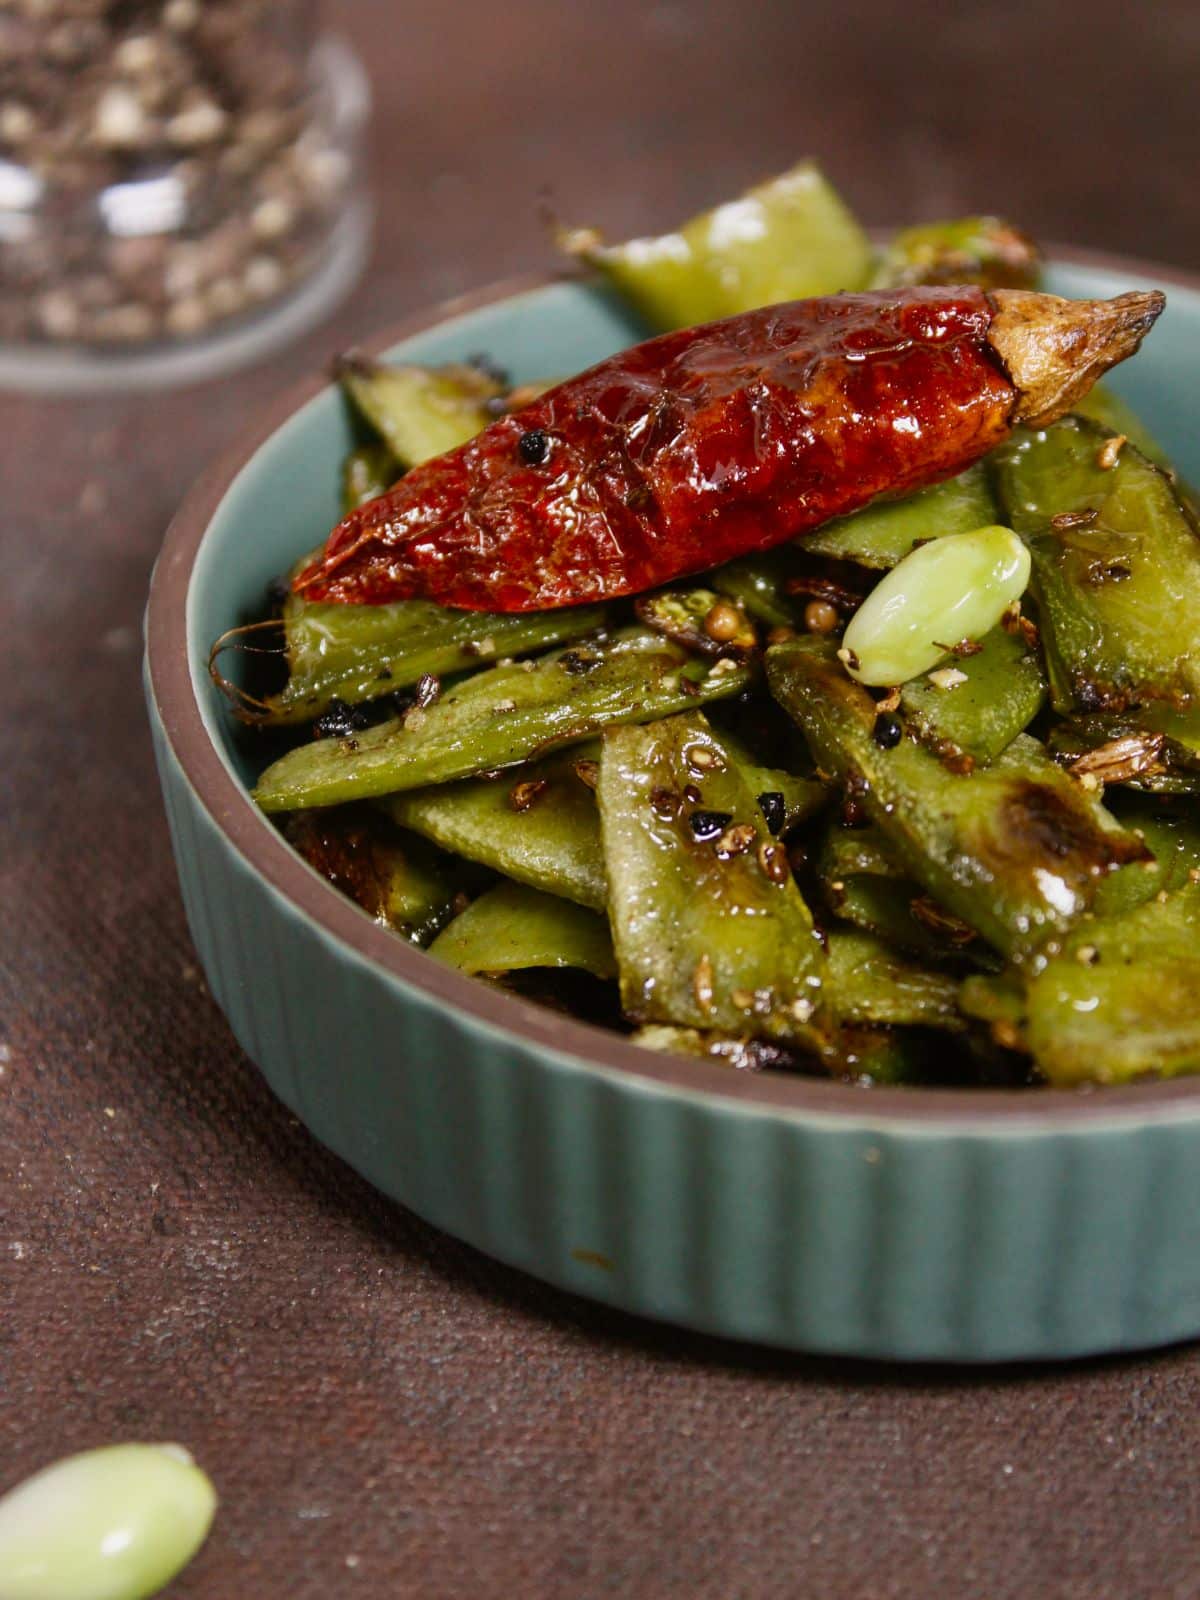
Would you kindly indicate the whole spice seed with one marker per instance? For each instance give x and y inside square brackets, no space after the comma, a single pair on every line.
[523,795]
[709,824]
[702,983]
[339,721]
[723,622]
[772,858]
[737,840]
[664,803]
[888,731]
[1066,520]
[1135,755]
[820,617]
[534,447]
[428,688]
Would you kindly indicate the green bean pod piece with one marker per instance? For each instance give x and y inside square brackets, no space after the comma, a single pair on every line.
[971,722]
[418,412]
[882,534]
[396,879]
[709,927]
[863,884]
[359,653]
[513,928]
[1016,850]
[785,239]
[1116,568]
[537,824]
[871,983]
[367,472]
[115,1523]
[1173,838]
[1103,405]
[982,250]
[1119,1000]
[501,717]
[758,584]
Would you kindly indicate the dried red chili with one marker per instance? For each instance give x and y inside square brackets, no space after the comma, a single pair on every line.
[711,442]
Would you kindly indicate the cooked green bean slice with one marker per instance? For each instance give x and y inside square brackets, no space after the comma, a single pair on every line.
[975,711]
[396,880]
[982,250]
[1173,838]
[758,584]
[358,653]
[537,823]
[864,884]
[1119,1001]
[783,240]
[950,589]
[1170,737]
[1103,405]
[870,983]
[114,1523]
[512,928]
[881,535]
[1016,849]
[367,472]
[501,717]
[1116,567]
[418,412]
[709,927]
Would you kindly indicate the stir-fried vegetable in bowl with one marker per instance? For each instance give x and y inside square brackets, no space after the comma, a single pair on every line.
[707,700]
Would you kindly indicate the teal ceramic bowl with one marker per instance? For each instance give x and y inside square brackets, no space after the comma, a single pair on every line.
[910,1224]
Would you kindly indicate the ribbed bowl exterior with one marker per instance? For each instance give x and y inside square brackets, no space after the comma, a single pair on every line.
[842,1234]
[859,1232]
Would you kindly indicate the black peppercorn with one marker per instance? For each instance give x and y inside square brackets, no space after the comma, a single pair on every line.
[339,721]
[888,731]
[534,447]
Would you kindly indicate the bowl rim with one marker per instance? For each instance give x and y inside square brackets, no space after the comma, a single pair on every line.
[523,1022]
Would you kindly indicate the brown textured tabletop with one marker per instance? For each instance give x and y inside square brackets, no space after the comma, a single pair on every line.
[385,1412]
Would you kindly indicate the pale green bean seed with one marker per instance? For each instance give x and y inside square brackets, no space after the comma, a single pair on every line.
[954,588]
[110,1524]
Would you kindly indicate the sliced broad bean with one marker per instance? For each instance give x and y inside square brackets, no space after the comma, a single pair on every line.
[709,926]
[882,534]
[871,983]
[786,239]
[1016,850]
[360,653]
[396,879]
[1116,568]
[418,412]
[117,1523]
[501,717]
[865,885]
[367,472]
[1118,1001]
[975,711]
[982,250]
[536,823]
[512,928]
[952,589]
